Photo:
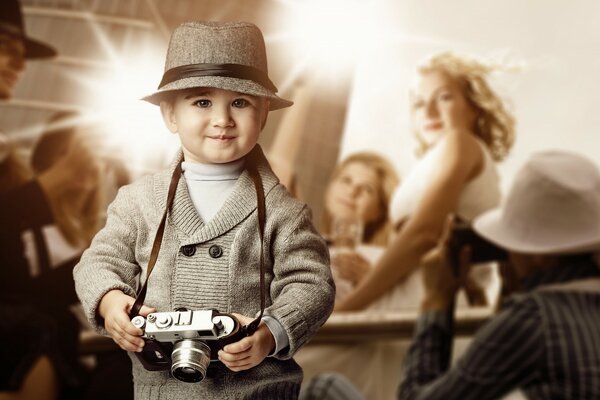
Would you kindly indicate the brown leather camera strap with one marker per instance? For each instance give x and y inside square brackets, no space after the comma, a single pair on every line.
[261,209]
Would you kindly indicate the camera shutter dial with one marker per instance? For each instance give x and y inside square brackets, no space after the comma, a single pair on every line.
[164,321]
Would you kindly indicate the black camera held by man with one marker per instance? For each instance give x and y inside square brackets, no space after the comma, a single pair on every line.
[482,250]
[186,341]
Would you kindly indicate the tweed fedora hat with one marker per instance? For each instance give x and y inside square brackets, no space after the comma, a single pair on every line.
[553,207]
[11,23]
[224,55]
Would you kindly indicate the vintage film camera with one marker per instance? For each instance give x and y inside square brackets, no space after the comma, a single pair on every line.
[186,341]
[482,250]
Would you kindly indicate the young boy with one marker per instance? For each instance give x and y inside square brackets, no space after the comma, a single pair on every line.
[215,94]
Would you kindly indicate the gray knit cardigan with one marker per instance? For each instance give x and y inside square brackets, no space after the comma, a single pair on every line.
[300,290]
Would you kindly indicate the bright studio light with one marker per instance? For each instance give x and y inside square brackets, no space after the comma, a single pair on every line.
[130,123]
[331,34]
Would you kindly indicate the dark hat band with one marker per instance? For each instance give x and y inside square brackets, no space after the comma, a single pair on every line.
[228,70]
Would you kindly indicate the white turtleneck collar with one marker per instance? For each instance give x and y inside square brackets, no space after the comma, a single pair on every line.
[212,172]
[209,185]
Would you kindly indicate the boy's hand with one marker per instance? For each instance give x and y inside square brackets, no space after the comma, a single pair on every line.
[114,308]
[251,350]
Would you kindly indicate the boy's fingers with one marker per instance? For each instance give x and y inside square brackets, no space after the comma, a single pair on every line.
[133,339]
[126,345]
[125,340]
[145,310]
[240,367]
[123,327]
[238,347]
[233,358]
[126,326]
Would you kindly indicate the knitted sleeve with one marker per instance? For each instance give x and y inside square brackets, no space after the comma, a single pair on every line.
[109,263]
[302,289]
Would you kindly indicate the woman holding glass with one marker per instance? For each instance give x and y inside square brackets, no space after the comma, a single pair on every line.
[355,217]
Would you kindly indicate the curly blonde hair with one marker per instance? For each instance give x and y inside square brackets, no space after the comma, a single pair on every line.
[495,125]
[375,232]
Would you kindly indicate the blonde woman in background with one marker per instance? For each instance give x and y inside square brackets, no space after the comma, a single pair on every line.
[463,128]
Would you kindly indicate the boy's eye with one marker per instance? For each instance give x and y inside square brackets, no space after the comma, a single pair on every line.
[203,103]
[240,103]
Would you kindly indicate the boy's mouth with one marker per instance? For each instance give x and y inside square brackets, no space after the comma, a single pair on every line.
[222,138]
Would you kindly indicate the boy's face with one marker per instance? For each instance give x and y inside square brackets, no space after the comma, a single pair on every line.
[215,126]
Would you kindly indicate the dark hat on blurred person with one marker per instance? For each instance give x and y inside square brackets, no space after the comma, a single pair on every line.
[223,55]
[553,207]
[11,22]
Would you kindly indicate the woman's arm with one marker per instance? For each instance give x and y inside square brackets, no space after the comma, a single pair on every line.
[288,138]
[460,160]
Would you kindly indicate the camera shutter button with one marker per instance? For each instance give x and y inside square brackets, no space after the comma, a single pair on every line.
[215,251]
[188,250]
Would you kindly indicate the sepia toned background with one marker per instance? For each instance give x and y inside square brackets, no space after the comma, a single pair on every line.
[348,64]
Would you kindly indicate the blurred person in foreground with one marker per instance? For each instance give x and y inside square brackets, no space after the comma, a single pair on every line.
[33,362]
[544,340]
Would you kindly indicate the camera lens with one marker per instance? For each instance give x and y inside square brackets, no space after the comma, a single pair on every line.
[190,360]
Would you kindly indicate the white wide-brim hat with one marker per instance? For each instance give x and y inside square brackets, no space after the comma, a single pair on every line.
[552,207]
[223,55]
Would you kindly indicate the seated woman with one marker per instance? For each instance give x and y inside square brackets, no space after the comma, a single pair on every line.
[359,191]
[464,129]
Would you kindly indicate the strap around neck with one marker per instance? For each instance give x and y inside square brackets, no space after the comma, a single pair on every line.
[261,209]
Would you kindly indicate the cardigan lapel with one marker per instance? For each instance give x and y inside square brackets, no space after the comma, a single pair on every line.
[238,206]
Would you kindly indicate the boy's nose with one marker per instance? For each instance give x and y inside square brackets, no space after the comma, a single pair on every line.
[221,117]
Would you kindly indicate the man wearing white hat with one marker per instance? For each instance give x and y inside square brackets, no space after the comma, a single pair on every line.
[546,339]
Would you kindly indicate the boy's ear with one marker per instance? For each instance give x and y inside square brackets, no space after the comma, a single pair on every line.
[168,114]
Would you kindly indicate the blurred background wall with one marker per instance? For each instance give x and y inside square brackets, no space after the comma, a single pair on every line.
[352,62]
